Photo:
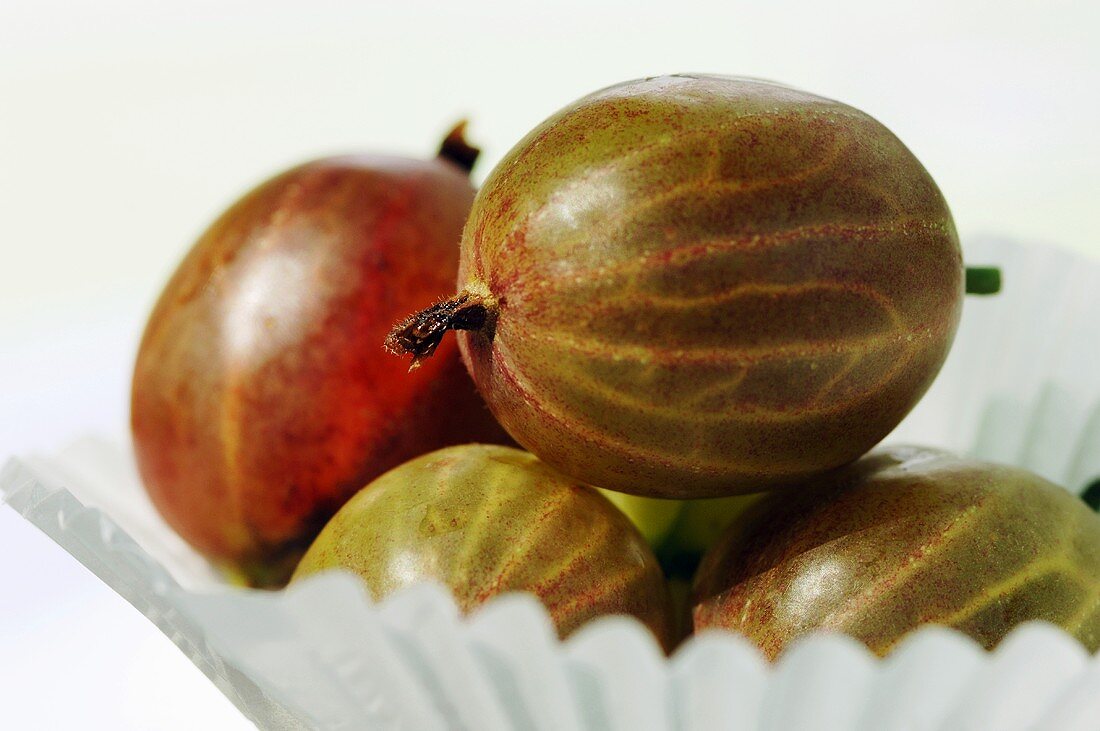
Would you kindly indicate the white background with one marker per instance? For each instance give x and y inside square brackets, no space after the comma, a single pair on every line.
[126,126]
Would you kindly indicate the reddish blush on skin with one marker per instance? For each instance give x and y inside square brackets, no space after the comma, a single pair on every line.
[262,398]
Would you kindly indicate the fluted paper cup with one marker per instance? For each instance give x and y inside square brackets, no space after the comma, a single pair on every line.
[1020,387]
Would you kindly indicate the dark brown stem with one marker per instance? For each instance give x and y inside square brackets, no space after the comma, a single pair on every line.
[456,149]
[420,334]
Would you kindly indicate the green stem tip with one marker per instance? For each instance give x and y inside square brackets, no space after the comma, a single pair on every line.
[983,280]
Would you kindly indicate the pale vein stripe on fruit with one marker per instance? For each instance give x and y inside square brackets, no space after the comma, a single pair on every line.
[687,410]
[706,134]
[737,356]
[510,560]
[746,243]
[916,561]
[578,429]
[646,301]
[484,510]
[580,601]
[985,598]
[715,189]
[606,392]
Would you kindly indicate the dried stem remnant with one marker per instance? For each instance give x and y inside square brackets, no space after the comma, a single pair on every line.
[456,149]
[420,334]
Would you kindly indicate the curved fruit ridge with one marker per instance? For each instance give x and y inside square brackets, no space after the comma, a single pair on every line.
[906,537]
[700,286]
[261,400]
[485,520]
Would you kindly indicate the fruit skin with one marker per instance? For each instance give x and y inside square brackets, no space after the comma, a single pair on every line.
[483,520]
[702,286]
[904,537]
[261,397]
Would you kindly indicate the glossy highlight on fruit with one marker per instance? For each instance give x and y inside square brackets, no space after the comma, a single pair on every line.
[906,536]
[698,286]
[261,399]
[484,520]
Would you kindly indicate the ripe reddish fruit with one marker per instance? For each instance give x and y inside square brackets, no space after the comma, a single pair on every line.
[261,398]
[702,286]
[904,537]
[484,520]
